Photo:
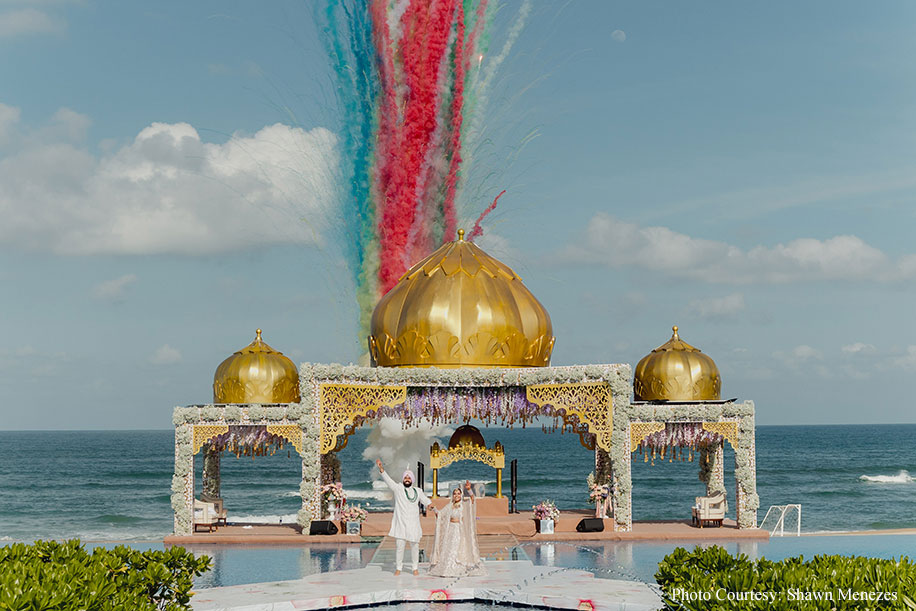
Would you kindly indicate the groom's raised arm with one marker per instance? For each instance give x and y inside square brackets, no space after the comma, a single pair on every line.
[387,478]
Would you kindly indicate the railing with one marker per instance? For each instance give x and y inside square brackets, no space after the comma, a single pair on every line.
[780,525]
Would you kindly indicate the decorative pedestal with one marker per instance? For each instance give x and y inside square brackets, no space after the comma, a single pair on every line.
[544,527]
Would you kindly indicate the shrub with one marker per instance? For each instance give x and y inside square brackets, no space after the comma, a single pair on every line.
[712,578]
[65,577]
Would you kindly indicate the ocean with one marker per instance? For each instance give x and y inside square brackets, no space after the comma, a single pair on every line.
[115,485]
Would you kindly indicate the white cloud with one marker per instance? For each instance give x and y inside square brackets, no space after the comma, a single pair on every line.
[9,117]
[619,244]
[858,348]
[908,360]
[112,290]
[719,307]
[165,192]
[805,353]
[619,35]
[165,355]
[24,21]
[798,355]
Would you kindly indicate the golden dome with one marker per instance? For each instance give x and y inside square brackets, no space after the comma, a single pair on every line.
[676,371]
[466,435]
[460,307]
[256,374]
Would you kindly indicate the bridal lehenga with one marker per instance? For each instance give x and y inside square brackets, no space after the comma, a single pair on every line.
[455,552]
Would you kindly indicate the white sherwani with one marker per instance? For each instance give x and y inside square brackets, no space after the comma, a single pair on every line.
[405,523]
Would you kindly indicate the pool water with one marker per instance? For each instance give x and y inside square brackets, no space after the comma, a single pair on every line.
[635,561]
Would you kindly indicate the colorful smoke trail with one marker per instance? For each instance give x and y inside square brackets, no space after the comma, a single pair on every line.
[410,75]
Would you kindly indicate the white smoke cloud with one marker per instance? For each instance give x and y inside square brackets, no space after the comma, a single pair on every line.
[401,448]
[165,192]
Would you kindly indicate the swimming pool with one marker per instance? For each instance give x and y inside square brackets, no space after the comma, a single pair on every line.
[612,559]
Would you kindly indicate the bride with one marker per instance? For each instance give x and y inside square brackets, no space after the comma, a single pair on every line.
[455,552]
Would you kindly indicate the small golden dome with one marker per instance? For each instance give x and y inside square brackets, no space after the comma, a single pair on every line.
[460,307]
[676,371]
[466,435]
[256,374]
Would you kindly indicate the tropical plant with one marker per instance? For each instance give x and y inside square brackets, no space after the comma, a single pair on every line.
[712,578]
[64,576]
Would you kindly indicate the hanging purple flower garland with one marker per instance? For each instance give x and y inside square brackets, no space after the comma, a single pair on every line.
[678,439]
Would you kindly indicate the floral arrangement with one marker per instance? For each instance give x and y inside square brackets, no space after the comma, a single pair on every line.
[546,510]
[333,493]
[353,513]
[597,493]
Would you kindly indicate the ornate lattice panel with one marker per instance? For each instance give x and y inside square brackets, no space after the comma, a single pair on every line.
[341,404]
[641,430]
[728,429]
[291,432]
[441,458]
[205,432]
[591,402]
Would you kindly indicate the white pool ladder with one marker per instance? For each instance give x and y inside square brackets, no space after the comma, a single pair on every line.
[781,511]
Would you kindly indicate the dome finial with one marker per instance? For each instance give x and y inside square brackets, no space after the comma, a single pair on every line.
[461,235]
[258,334]
[674,328]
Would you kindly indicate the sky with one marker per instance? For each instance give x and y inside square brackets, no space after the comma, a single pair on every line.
[742,170]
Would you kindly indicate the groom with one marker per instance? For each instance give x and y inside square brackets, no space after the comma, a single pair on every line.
[405,523]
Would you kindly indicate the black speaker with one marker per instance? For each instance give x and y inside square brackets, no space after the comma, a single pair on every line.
[590,525]
[323,527]
[513,485]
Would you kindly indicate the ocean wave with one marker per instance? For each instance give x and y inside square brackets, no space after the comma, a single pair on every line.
[117,518]
[903,477]
[265,519]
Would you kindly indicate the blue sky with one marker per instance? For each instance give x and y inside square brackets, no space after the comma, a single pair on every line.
[742,170]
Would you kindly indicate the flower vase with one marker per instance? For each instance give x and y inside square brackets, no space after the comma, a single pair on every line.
[545,526]
[353,528]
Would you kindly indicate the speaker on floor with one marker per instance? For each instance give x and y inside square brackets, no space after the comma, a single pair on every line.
[590,525]
[323,527]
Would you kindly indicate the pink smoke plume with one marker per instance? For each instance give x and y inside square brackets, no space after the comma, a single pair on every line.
[478,230]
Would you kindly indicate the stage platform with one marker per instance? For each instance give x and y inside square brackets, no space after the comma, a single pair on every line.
[508,582]
[520,526]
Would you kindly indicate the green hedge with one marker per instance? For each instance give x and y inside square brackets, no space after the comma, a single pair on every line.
[66,577]
[712,578]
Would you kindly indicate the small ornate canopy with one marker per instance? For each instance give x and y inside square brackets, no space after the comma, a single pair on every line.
[256,374]
[676,371]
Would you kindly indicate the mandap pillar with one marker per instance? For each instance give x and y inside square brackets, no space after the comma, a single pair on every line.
[746,500]
[211,472]
[622,482]
[183,481]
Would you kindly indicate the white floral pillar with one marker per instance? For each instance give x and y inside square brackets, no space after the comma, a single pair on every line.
[310,421]
[746,500]
[716,481]
[183,480]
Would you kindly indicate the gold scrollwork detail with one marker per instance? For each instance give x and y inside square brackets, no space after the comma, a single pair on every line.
[591,402]
[341,404]
[439,458]
[205,432]
[290,432]
[728,429]
[640,430]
